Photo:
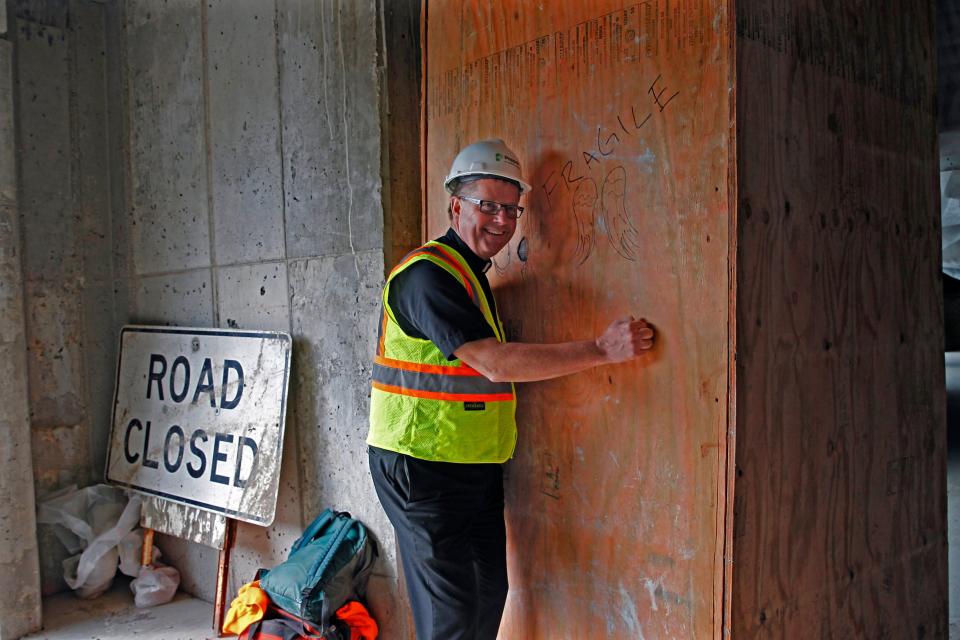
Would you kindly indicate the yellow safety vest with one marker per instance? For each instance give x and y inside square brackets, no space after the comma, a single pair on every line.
[428,407]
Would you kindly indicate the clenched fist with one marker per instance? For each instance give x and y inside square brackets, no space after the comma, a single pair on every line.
[625,339]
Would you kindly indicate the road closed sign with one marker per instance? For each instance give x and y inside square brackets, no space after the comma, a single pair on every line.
[198,417]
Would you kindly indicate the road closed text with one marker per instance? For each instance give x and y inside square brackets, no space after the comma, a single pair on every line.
[204,453]
[198,417]
[210,457]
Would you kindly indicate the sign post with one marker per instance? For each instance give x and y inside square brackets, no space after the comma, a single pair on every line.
[198,418]
[223,573]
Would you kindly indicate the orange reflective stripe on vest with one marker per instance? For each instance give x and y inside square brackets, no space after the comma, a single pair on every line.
[437,252]
[439,395]
[406,377]
[382,333]
[462,370]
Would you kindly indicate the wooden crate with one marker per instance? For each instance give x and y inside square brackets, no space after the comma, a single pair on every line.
[746,183]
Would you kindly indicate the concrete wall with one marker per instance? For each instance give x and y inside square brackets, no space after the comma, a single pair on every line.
[213,163]
[66,237]
[254,173]
[67,195]
[19,569]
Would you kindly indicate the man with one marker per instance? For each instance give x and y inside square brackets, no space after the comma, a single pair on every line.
[442,403]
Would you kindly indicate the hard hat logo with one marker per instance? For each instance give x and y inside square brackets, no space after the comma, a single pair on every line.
[474,161]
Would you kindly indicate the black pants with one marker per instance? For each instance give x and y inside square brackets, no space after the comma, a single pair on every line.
[449,523]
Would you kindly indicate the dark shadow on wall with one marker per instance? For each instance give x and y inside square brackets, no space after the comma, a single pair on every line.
[400,66]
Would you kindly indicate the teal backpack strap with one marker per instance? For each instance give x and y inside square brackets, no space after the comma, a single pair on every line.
[343,529]
[315,527]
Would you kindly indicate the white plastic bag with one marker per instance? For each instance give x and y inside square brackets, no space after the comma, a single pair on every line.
[155,585]
[76,514]
[97,575]
[98,562]
[94,519]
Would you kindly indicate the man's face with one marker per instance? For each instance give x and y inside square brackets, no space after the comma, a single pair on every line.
[486,235]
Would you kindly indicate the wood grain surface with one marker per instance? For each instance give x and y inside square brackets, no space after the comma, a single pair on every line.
[621,116]
[839,519]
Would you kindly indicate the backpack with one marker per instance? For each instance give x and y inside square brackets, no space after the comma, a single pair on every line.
[278,624]
[328,565]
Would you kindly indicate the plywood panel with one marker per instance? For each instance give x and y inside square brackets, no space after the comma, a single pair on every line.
[620,114]
[839,518]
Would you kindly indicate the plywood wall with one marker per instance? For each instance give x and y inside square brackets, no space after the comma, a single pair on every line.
[839,512]
[620,114]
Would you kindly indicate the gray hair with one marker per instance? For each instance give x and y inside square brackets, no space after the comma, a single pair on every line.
[457,187]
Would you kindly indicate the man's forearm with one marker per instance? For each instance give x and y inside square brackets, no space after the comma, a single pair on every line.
[527,362]
[623,340]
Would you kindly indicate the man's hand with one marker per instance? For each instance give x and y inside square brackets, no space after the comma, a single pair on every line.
[626,339]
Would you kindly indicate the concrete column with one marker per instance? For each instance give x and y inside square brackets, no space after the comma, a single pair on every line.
[19,566]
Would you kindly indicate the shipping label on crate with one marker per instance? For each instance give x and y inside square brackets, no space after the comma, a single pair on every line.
[198,417]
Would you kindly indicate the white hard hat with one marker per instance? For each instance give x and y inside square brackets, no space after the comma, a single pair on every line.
[486,158]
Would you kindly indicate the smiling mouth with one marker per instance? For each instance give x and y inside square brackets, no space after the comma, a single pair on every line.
[494,233]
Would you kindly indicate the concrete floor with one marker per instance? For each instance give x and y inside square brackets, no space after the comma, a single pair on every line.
[113,617]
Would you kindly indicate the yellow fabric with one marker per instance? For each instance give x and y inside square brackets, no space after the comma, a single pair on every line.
[249,606]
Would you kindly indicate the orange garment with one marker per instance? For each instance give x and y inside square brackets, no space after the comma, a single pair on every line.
[249,606]
[362,626]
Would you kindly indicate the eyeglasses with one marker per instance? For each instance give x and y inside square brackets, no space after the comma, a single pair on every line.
[491,208]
